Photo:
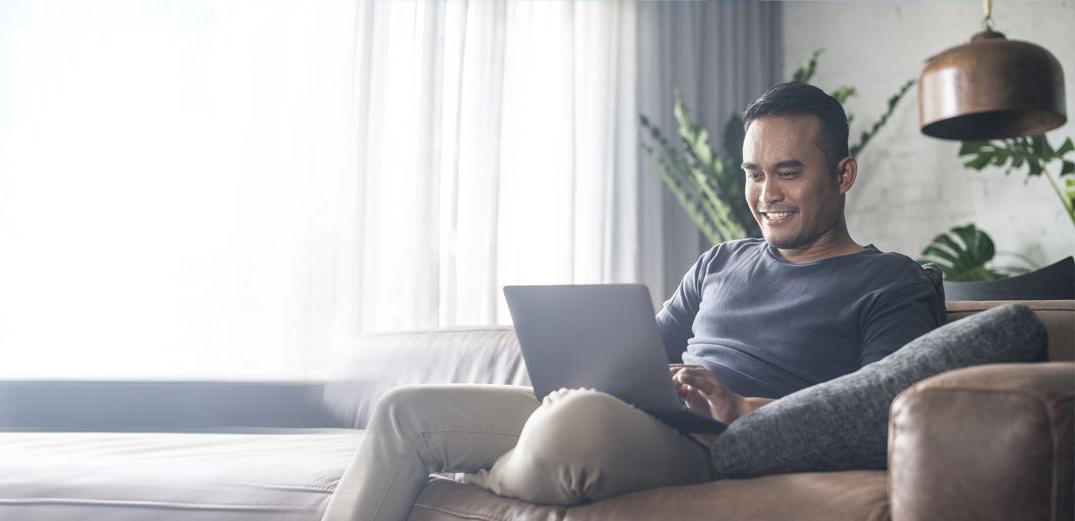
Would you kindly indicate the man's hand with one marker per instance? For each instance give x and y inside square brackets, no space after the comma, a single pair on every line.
[705,395]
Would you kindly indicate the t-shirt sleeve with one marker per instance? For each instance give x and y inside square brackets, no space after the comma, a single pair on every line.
[676,317]
[897,316]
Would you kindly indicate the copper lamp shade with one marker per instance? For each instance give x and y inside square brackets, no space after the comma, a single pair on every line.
[991,88]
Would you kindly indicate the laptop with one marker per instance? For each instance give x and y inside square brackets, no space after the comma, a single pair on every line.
[602,337]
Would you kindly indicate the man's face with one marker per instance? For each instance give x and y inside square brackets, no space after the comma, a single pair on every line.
[790,186]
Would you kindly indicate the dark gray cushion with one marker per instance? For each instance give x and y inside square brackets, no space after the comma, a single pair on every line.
[842,424]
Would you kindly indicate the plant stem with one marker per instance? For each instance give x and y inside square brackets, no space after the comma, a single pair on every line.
[1060,194]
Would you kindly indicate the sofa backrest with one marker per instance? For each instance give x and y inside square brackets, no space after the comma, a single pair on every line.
[1057,315]
[491,355]
[375,363]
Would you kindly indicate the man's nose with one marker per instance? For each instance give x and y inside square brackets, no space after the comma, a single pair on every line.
[771,192]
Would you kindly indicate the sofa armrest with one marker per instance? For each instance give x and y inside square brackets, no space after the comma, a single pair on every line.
[990,442]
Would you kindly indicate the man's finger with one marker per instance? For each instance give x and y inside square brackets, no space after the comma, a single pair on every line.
[696,400]
[677,367]
[698,372]
[701,383]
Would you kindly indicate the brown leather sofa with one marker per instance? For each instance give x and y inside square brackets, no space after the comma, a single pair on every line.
[989,443]
[986,443]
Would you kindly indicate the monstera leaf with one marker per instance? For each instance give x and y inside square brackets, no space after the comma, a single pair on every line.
[963,254]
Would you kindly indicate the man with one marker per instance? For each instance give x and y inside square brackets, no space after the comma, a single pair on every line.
[759,319]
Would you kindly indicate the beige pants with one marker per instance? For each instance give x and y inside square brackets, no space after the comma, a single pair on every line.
[575,446]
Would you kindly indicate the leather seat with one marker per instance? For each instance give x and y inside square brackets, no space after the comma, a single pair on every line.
[59,476]
[858,495]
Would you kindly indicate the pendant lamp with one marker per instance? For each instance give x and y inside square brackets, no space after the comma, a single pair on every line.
[991,88]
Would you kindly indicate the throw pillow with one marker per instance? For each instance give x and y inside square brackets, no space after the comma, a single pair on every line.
[842,424]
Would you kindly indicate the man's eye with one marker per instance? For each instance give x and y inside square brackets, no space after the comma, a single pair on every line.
[752,174]
[789,175]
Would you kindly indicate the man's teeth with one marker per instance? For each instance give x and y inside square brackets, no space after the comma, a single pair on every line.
[778,215]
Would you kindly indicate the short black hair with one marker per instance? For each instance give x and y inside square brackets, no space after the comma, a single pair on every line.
[801,99]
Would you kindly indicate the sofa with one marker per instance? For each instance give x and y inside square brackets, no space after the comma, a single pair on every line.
[986,443]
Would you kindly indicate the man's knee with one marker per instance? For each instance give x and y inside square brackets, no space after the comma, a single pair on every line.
[574,426]
[396,408]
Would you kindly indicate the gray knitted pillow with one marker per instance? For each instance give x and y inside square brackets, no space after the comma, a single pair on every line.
[842,424]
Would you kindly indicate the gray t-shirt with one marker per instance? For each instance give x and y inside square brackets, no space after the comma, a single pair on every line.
[766,327]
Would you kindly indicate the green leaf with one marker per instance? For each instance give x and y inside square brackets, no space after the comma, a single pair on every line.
[679,111]
[1035,167]
[701,147]
[867,135]
[1069,192]
[978,243]
[979,162]
[806,70]
[963,254]
[937,252]
[1067,168]
[956,249]
[1040,146]
[843,93]
[1066,147]
[971,147]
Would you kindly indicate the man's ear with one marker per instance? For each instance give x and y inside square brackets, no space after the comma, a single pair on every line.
[846,172]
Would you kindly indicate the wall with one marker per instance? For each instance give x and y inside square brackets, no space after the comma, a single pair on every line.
[912,187]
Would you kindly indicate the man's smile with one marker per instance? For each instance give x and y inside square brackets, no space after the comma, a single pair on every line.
[778,217]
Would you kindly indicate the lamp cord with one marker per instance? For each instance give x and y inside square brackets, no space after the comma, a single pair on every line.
[987,21]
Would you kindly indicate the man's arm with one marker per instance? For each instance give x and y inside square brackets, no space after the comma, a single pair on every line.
[676,317]
[897,316]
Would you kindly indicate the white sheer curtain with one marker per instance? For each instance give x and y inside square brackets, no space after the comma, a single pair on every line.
[229,189]
[498,147]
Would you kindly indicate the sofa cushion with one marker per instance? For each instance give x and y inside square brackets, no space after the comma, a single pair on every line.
[833,496]
[61,476]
